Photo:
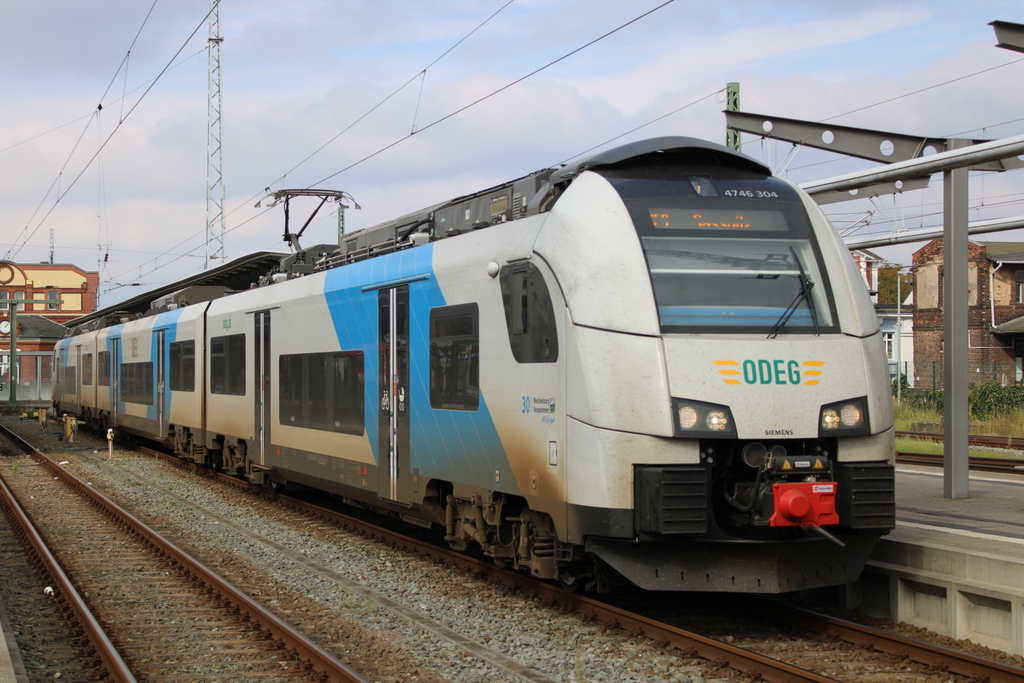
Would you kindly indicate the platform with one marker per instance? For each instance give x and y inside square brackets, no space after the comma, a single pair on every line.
[11,668]
[953,566]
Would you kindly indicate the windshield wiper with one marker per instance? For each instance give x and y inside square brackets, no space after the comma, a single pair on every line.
[804,295]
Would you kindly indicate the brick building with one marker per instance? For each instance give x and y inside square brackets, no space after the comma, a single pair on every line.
[74,289]
[995,319]
[64,292]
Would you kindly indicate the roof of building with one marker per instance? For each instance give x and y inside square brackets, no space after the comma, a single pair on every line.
[39,327]
[1015,326]
[1005,252]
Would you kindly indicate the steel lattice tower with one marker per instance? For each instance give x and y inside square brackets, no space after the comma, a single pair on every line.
[214,149]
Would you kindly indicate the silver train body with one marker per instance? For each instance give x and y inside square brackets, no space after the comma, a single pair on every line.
[657,365]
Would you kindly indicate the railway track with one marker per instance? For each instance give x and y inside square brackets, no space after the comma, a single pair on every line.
[977,463]
[980,440]
[874,651]
[143,608]
[840,650]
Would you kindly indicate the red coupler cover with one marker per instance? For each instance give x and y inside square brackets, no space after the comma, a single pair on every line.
[805,503]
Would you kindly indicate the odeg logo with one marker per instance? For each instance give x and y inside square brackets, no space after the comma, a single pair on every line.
[777,371]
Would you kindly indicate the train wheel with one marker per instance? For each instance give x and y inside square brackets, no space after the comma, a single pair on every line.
[569,581]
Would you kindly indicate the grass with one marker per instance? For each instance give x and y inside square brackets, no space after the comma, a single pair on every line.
[1011,424]
[1006,425]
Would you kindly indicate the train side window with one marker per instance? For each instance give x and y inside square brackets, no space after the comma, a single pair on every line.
[529,314]
[87,369]
[183,365]
[227,365]
[137,383]
[70,379]
[322,391]
[103,368]
[455,357]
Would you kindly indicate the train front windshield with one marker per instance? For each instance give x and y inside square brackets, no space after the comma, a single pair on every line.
[728,250]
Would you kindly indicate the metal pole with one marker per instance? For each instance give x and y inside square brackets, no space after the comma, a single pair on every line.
[956,483]
[14,365]
[936,163]
[732,103]
[899,338]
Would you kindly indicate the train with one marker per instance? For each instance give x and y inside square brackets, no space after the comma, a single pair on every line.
[657,366]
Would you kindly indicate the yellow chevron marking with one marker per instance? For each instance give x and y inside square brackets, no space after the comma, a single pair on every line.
[732,381]
[814,363]
[812,372]
[811,381]
[729,372]
[726,362]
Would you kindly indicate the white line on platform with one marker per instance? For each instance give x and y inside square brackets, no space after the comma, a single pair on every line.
[963,532]
[1014,479]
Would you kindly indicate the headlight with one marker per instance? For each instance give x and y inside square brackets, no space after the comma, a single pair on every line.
[845,418]
[695,419]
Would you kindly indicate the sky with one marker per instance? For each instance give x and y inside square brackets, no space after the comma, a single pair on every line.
[103,127]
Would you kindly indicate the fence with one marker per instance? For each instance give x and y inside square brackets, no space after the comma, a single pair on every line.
[927,375]
[34,376]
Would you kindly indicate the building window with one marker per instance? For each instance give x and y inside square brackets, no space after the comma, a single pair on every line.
[227,365]
[3,304]
[455,357]
[887,339]
[20,295]
[1020,293]
[52,296]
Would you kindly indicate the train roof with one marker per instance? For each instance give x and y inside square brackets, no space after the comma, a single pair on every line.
[234,276]
[529,195]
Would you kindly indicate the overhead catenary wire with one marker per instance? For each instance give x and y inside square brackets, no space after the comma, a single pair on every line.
[124,117]
[443,118]
[377,106]
[90,114]
[280,178]
[493,93]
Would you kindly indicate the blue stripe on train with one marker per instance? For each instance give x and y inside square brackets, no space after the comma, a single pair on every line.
[455,445]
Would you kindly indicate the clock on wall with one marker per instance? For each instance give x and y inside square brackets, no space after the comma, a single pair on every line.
[5,326]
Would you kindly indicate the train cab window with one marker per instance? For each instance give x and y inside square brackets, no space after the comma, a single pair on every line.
[529,314]
[728,249]
[455,357]
[227,365]
[322,391]
[87,369]
[137,383]
[103,368]
[183,365]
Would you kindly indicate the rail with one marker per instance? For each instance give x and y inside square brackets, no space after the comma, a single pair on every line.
[751,664]
[317,663]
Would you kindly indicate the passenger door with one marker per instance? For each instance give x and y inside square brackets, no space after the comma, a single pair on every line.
[115,381]
[262,388]
[161,374]
[393,474]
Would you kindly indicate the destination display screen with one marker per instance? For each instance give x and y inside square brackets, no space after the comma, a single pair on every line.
[718,219]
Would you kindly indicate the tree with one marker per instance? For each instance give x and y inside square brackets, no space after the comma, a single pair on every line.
[887,285]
